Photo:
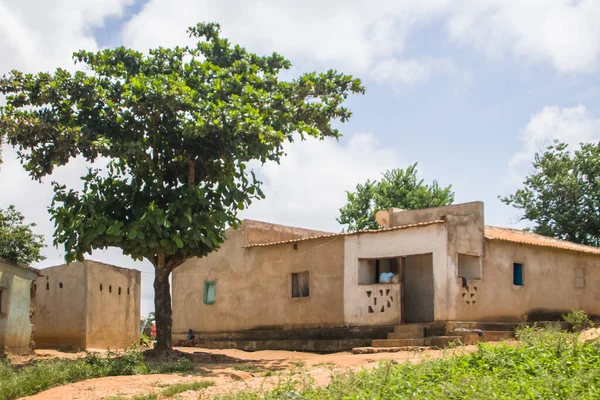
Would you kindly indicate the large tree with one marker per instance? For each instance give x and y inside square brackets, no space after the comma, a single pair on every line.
[18,243]
[397,188]
[561,196]
[178,127]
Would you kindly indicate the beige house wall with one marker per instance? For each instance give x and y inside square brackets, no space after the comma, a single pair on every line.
[253,286]
[60,315]
[392,244]
[79,315]
[548,283]
[113,313]
[15,325]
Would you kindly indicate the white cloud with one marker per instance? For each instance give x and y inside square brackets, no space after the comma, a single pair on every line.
[563,32]
[411,71]
[369,39]
[308,187]
[351,35]
[569,125]
[42,35]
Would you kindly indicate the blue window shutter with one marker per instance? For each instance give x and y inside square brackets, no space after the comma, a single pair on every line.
[210,291]
[518,274]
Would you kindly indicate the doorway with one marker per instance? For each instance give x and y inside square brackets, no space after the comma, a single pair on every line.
[417,288]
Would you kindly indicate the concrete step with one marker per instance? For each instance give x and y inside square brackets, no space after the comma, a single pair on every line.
[315,346]
[398,342]
[417,329]
[405,335]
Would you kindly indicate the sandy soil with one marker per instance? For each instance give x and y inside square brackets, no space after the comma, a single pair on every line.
[231,370]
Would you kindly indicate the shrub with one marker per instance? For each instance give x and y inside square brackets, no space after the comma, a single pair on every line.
[578,320]
[18,382]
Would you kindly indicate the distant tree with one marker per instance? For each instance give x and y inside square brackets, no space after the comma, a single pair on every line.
[178,128]
[561,197]
[18,243]
[398,188]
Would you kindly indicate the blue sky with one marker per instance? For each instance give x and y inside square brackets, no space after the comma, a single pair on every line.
[470,90]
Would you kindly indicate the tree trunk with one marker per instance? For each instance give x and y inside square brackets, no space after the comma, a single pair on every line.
[162,305]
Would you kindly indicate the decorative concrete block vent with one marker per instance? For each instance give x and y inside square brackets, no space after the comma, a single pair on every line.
[469,293]
[380,300]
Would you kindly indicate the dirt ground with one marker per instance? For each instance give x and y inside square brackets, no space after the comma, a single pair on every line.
[231,370]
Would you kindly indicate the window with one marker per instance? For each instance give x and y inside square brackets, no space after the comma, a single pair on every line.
[127,291]
[119,290]
[60,285]
[210,292]
[469,267]
[518,274]
[369,271]
[100,287]
[300,285]
[109,288]
[579,278]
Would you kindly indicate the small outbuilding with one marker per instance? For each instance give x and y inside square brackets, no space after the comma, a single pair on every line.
[85,305]
[16,307]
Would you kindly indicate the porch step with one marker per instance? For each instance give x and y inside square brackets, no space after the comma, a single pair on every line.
[398,342]
[406,335]
[417,329]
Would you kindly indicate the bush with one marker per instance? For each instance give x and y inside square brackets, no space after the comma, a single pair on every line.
[578,320]
[18,382]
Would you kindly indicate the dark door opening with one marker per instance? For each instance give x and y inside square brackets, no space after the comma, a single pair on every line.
[416,277]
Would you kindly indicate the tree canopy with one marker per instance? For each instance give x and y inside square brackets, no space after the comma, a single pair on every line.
[398,188]
[177,127]
[561,197]
[18,243]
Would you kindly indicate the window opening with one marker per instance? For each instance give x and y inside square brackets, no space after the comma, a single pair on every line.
[300,284]
[210,292]
[518,274]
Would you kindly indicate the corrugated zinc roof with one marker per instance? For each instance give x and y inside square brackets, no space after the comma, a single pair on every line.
[524,237]
[395,228]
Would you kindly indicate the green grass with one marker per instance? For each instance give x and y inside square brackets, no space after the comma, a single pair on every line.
[184,387]
[17,382]
[170,391]
[545,364]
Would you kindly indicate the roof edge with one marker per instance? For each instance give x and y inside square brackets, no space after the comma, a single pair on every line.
[543,241]
[27,267]
[366,231]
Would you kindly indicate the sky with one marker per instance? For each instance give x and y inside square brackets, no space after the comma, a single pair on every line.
[470,90]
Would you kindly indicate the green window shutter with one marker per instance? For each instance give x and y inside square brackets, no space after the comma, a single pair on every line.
[210,291]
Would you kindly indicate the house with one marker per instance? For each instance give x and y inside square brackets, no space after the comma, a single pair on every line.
[16,307]
[275,282]
[85,305]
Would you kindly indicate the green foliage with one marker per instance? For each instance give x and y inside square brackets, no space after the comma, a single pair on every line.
[184,387]
[18,243]
[177,128]
[398,188]
[579,320]
[562,195]
[170,391]
[18,382]
[545,364]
